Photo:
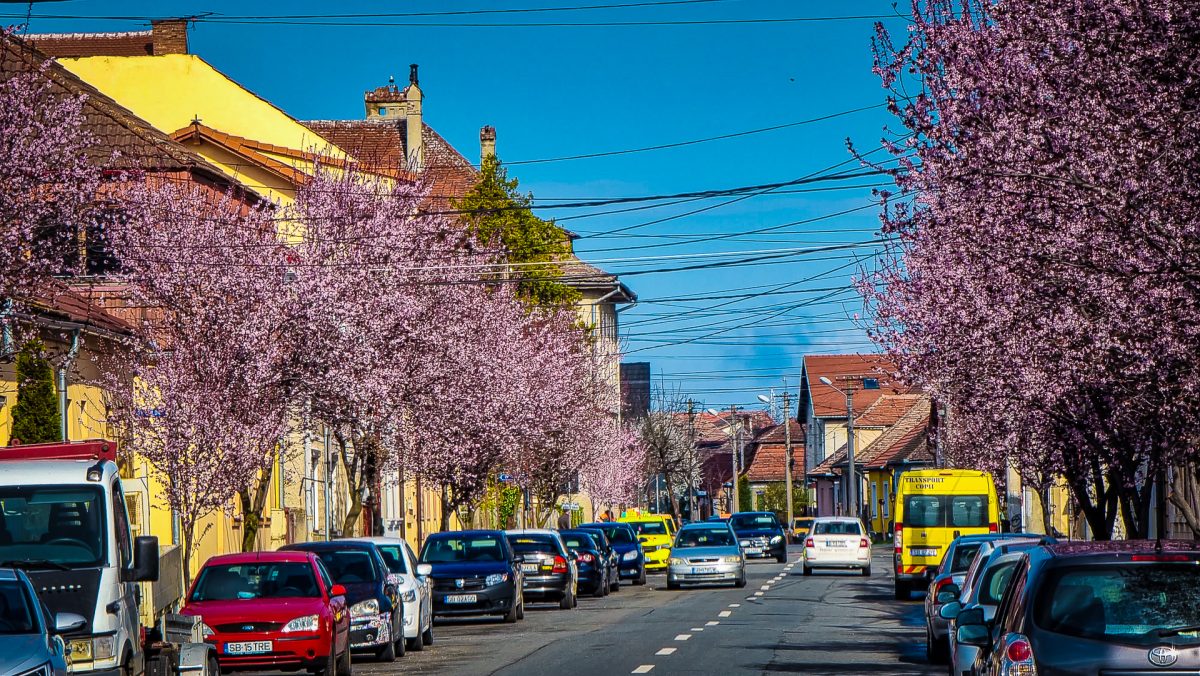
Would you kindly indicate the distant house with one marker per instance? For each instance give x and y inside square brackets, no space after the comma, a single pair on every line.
[768,466]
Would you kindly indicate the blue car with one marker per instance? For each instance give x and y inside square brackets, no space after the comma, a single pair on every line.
[29,641]
[474,572]
[632,561]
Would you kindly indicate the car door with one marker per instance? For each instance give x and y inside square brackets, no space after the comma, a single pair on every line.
[424,588]
[337,608]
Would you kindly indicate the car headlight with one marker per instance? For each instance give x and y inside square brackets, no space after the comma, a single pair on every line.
[630,555]
[365,608]
[409,596]
[306,623]
[40,670]
[777,539]
[495,579]
[731,559]
[745,543]
[206,630]
[104,647]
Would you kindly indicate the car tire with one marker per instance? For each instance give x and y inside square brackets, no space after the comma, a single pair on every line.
[672,584]
[866,571]
[521,608]
[513,613]
[329,665]
[936,651]
[903,593]
[565,602]
[782,558]
[641,578]
[427,635]
[616,583]
[415,644]
[400,645]
[601,586]
[741,581]
[807,570]
[387,653]
[344,666]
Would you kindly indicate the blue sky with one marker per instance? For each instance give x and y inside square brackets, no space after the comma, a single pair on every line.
[560,91]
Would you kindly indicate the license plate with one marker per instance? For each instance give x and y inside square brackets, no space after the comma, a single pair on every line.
[922,552]
[704,570]
[461,598]
[529,567]
[835,543]
[248,647]
[753,550]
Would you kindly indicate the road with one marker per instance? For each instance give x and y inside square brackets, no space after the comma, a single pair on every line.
[781,622]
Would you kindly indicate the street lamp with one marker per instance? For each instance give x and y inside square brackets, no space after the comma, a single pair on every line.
[851,478]
[733,452]
[787,445]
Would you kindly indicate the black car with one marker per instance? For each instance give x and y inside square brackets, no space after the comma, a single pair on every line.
[614,558]
[551,573]
[760,534]
[597,562]
[1128,607]
[376,613]
[474,572]
[631,562]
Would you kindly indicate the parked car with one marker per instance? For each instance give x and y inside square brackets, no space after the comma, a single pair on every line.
[272,610]
[376,612]
[595,569]
[706,553]
[655,532]
[760,535]
[985,582]
[949,575]
[624,540]
[474,572]
[550,570]
[837,542]
[718,517]
[800,528]
[1124,607]
[29,636]
[416,593]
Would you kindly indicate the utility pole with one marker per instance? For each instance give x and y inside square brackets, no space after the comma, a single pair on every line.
[735,434]
[787,468]
[852,478]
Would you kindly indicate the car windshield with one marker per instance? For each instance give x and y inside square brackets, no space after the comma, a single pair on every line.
[393,558]
[994,582]
[963,554]
[16,611]
[945,511]
[749,521]
[457,549]
[649,527]
[256,581]
[579,542]
[1122,603]
[836,528]
[598,535]
[348,566]
[618,534]
[705,537]
[524,544]
[61,524]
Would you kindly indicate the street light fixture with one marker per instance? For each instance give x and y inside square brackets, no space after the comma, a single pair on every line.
[733,452]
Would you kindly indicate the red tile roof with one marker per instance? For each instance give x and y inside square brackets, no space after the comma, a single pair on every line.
[71,45]
[57,301]
[770,453]
[888,409]
[827,402]
[905,440]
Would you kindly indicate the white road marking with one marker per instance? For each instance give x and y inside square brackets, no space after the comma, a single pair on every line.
[644,669]
[697,628]
[758,593]
[682,637]
[751,598]
[725,613]
[711,623]
[666,651]
[765,587]
[735,605]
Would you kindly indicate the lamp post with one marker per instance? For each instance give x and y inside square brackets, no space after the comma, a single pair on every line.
[787,447]
[851,476]
[733,452]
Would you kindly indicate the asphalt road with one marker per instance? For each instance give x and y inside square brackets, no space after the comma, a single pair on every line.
[781,622]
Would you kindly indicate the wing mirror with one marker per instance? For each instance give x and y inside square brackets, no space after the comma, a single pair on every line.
[424,569]
[972,628]
[950,611]
[68,622]
[337,590]
[945,596]
[145,561]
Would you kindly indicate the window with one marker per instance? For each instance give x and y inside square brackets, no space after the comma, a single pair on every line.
[874,500]
[649,527]
[63,524]
[945,511]
[16,610]
[995,581]
[393,558]
[837,528]
[964,554]
[121,526]
[527,544]
[579,542]
[705,537]
[349,566]
[256,581]
[457,549]
[323,573]
[753,521]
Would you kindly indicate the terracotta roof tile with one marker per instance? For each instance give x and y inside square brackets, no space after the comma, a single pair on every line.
[828,403]
[905,440]
[382,145]
[770,453]
[58,301]
[888,409]
[72,45]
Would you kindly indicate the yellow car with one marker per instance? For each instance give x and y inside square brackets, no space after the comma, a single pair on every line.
[655,532]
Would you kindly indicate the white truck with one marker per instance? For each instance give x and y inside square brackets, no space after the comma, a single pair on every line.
[63,521]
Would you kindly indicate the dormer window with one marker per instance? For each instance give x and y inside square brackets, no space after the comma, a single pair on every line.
[382,112]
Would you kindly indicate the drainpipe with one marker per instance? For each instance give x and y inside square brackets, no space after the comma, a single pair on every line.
[67,363]
[6,333]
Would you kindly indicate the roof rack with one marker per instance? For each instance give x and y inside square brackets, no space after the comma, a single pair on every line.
[89,449]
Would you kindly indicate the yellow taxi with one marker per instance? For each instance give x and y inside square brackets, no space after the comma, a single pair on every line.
[801,527]
[932,508]
[655,532]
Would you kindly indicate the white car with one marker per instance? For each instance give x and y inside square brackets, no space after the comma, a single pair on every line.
[837,542]
[415,591]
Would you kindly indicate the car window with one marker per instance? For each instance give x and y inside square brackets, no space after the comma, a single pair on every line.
[962,554]
[348,566]
[524,544]
[649,527]
[836,528]
[747,521]
[579,542]
[16,610]
[1011,603]
[255,581]
[1124,603]
[393,558]
[323,573]
[63,524]
[463,548]
[619,534]
[705,537]
[944,511]
[598,535]
[994,582]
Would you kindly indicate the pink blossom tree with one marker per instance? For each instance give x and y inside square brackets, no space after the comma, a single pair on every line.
[615,477]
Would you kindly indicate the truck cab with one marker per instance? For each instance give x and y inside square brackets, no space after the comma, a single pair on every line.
[63,521]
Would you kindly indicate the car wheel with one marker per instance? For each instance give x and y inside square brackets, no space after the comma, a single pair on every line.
[782,558]
[513,613]
[427,635]
[866,571]
[398,634]
[565,602]
[934,650]
[807,570]
[600,589]
[344,668]
[741,581]
[672,584]
[416,643]
[616,582]
[521,609]
[387,653]
[212,667]
[902,592]
[329,666]
[641,576]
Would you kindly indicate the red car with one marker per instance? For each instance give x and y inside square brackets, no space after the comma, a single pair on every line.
[272,611]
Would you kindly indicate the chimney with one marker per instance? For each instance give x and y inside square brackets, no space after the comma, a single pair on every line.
[487,143]
[415,129]
[169,36]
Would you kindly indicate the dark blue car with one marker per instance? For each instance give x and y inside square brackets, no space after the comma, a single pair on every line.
[624,540]
[474,572]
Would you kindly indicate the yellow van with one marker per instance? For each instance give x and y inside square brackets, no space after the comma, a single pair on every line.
[656,532]
[934,506]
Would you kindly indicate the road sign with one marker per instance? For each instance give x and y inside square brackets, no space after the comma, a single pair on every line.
[570,506]
[502,477]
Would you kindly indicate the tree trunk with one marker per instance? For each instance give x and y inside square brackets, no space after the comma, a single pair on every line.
[188,530]
[1183,496]
[252,504]
[447,508]
[1047,520]
[352,467]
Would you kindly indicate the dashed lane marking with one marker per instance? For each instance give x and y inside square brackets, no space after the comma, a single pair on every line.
[735,605]
[682,637]
[765,587]
[697,628]
[644,669]
[725,613]
[711,623]
[758,593]
[666,651]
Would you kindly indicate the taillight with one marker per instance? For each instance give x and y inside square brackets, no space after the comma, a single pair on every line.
[809,543]
[899,539]
[560,565]
[586,558]
[863,543]
[937,588]
[1018,657]
[993,528]
[1019,650]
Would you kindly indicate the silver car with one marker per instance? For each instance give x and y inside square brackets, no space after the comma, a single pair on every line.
[704,553]
[29,641]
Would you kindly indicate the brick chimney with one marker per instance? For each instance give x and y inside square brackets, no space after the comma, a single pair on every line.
[487,143]
[169,36]
[392,103]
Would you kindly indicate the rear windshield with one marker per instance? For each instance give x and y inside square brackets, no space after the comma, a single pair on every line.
[705,537]
[649,527]
[994,582]
[597,535]
[470,548]
[579,542]
[523,544]
[256,581]
[348,566]
[1126,603]
[836,528]
[615,533]
[946,511]
[393,558]
[744,521]
[16,610]
[963,554]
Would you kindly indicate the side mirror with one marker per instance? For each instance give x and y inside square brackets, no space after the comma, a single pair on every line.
[337,590]
[574,554]
[145,561]
[67,622]
[946,596]
[518,558]
[389,589]
[950,611]
[424,569]
[972,628]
